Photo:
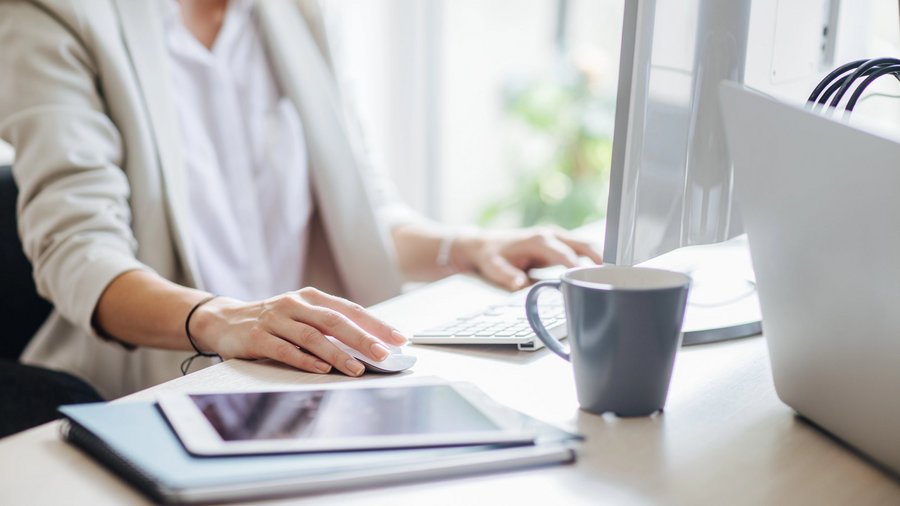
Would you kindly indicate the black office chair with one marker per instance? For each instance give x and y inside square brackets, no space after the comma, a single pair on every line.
[22,310]
[28,395]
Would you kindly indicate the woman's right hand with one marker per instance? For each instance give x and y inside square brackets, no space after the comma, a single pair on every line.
[291,328]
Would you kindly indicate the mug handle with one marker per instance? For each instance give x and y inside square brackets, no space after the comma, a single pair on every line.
[534,317]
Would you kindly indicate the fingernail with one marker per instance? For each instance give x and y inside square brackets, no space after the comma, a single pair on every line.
[399,337]
[520,280]
[379,351]
[322,366]
[355,367]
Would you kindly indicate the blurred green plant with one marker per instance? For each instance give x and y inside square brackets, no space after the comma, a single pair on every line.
[561,147]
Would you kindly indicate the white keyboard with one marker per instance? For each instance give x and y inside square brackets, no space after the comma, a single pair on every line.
[503,323]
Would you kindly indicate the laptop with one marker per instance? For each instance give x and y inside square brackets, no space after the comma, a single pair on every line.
[821,205]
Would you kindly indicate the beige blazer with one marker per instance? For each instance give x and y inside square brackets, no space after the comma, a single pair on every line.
[84,99]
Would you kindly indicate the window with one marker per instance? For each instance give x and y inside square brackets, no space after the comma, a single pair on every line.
[497,112]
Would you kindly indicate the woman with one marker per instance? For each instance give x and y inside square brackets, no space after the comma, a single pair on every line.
[184,167]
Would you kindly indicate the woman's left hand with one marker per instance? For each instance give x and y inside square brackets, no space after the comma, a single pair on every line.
[504,257]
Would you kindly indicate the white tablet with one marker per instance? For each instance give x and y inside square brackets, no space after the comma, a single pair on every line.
[340,417]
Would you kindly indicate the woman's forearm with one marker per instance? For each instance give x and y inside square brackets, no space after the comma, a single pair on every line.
[145,309]
[419,246]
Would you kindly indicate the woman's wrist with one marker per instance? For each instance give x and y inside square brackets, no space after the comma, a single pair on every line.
[465,249]
[211,319]
[187,326]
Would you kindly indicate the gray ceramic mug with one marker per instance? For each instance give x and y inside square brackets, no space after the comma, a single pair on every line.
[624,330]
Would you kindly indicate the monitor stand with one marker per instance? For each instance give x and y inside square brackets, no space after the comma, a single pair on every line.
[723,302]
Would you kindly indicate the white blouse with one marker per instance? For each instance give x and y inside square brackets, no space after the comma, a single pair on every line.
[246,160]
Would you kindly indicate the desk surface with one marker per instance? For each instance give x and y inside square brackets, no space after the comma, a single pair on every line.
[724,438]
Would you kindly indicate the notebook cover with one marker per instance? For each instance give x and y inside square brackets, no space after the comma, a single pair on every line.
[135,441]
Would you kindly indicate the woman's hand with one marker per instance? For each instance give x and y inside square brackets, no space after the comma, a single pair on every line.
[291,328]
[504,257]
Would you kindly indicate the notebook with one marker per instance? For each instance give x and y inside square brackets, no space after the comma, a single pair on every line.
[135,442]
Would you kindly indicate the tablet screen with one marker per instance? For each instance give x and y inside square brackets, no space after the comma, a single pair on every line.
[341,413]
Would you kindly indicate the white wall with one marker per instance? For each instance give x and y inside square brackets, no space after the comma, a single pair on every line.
[427,78]
[485,44]
[383,51]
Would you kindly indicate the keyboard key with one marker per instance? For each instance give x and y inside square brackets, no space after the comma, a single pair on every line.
[502,321]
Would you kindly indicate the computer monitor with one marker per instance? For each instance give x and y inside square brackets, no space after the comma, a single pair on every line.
[671,179]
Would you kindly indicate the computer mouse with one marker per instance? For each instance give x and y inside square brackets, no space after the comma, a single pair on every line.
[394,363]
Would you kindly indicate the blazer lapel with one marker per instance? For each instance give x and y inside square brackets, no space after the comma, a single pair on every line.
[362,248]
[143,32]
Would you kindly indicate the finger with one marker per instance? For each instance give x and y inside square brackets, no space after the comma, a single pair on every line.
[313,341]
[582,248]
[271,346]
[328,321]
[500,271]
[356,313]
[549,250]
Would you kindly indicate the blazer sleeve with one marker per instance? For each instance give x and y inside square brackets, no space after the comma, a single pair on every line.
[73,212]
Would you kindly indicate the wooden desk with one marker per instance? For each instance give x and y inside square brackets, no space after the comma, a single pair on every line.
[725,438]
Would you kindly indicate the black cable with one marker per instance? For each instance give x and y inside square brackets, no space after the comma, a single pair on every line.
[814,96]
[890,69]
[848,79]
[840,80]
[823,100]
[860,71]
